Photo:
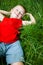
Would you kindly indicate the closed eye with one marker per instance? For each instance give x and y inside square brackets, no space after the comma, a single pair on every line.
[19,12]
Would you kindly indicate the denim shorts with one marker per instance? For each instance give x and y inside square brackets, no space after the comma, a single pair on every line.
[13,52]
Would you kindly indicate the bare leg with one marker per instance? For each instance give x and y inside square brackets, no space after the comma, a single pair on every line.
[17,63]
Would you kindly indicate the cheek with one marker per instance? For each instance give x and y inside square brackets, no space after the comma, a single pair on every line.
[14,11]
[20,16]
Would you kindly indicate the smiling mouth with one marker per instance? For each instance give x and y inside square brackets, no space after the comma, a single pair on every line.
[16,15]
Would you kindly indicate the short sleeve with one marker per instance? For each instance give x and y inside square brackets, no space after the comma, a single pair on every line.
[17,23]
[5,19]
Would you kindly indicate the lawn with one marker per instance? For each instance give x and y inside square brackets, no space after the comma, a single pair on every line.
[32,35]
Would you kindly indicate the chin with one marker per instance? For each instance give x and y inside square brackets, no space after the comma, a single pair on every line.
[19,17]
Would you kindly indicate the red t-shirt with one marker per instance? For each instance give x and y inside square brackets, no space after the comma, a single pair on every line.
[9,30]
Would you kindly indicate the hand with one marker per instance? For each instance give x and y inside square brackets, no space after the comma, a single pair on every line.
[4,12]
[32,19]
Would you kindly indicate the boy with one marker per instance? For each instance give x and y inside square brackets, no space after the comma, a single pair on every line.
[9,31]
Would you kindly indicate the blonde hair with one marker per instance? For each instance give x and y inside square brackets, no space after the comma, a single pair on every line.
[19,6]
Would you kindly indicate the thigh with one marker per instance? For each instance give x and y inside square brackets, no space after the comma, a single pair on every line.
[14,53]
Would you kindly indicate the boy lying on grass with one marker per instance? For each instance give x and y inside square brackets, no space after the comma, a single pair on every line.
[9,31]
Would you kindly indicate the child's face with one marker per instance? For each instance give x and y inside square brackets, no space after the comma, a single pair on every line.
[17,12]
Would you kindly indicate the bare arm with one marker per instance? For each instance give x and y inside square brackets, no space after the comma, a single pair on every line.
[4,12]
[1,17]
[32,20]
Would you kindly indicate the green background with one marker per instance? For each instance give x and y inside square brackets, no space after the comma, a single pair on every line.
[32,35]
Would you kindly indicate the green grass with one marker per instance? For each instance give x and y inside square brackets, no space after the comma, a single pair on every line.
[31,36]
